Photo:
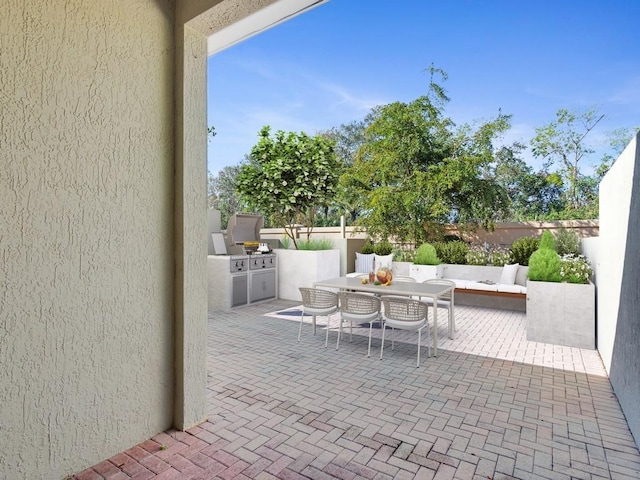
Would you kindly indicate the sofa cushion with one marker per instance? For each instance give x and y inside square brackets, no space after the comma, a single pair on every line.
[489,287]
[460,283]
[521,276]
[509,273]
[512,288]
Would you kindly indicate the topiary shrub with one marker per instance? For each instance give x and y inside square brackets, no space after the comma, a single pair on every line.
[383,248]
[426,255]
[522,248]
[545,265]
[567,242]
[367,248]
[547,241]
[452,252]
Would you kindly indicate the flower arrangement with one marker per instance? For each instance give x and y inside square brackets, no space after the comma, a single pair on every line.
[575,269]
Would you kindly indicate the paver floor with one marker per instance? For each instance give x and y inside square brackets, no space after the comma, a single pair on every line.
[490,406]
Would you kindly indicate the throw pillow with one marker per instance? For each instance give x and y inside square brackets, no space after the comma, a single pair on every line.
[364,262]
[509,273]
[383,261]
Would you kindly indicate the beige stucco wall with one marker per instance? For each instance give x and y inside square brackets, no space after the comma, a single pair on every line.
[87,245]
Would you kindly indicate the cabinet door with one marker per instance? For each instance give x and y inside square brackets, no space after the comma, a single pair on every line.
[239,290]
[263,284]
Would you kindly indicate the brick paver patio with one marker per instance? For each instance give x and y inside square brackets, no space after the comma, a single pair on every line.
[490,406]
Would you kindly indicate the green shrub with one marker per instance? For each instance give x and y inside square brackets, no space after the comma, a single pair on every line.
[547,241]
[545,265]
[477,256]
[452,252]
[315,244]
[575,269]
[567,242]
[286,241]
[522,248]
[500,257]
[403,255]
[426,255]
[383,248]
[367,248]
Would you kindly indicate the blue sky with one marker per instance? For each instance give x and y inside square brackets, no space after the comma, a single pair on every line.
[334,63]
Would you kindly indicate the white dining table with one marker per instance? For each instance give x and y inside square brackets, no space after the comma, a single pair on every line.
[408,289]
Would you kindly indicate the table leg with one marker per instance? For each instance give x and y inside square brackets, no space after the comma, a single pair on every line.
[435,326]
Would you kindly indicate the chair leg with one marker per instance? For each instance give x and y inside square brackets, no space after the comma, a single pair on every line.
[384,327]
[339,333]
[418,362]
[313,320]
[453,320]
[370,331]
[300,329]
[393,338]
[326,340]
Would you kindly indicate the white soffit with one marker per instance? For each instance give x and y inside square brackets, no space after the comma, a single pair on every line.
[257,22]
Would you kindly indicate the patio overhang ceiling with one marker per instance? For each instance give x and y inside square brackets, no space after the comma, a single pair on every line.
[232,21]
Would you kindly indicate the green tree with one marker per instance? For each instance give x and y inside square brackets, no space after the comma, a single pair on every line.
[532,195]
[223,194]
[348,139]
[618,139]
[416,172]
[564,140]
[290,178]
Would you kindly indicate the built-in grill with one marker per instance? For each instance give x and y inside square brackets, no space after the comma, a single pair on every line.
[239,273]
[238,263]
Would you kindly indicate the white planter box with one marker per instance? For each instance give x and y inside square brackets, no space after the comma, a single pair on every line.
[423,272]
[301,268]
[402,268]
[561,314]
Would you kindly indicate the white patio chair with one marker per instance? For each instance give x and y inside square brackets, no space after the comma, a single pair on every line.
[315,302]
[404,314]
[403,278]
[446,301]
[358,308]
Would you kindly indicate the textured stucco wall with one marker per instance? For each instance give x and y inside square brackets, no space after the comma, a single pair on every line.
[87,256]
[618,279]
[191,228]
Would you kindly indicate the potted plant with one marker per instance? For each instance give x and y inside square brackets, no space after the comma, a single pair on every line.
[365,258]
[560,298]
[402,261]
[383,255]
[425,263]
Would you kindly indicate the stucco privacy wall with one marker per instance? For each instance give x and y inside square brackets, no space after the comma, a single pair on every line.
[618,280]
[87,243]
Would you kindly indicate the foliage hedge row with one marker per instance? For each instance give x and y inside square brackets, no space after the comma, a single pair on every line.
[565,244]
